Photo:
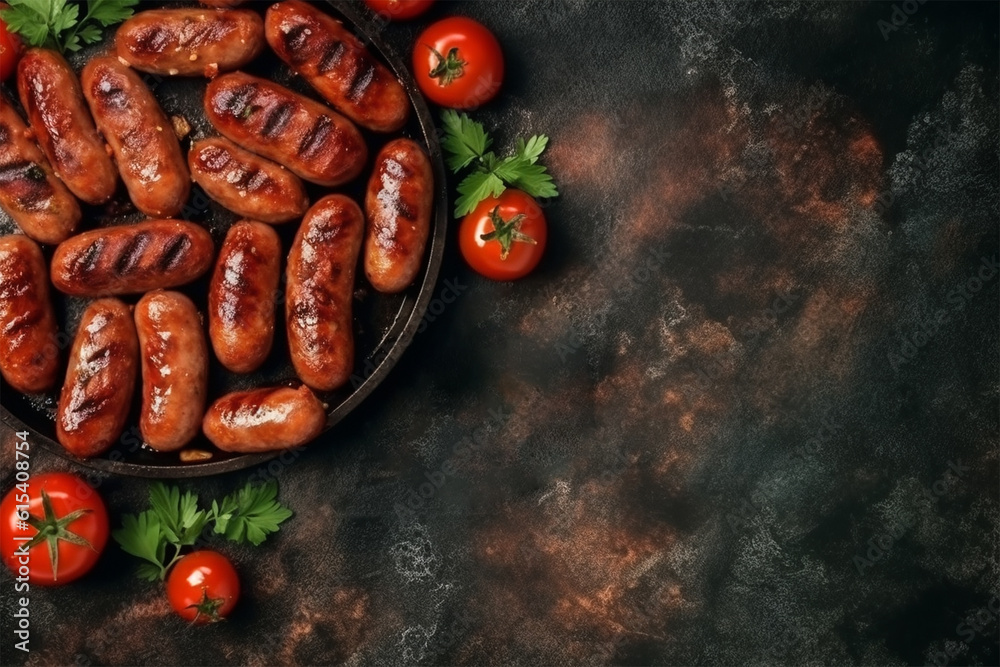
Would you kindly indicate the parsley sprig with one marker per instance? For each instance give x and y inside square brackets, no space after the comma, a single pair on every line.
[467,143]
[174,521]
[57,24]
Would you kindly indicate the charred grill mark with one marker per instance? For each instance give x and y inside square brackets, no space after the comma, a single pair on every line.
[152,40]
[21,171]
[363,78]
[315,137]
[204,31]
[99,353]
[174,252]
[295,39]
[331,57]
[132,253]
[277,119]
[87,261]
[214,159]
[237,100]
[109,96]
[252,180]
[404,210]
[23,321]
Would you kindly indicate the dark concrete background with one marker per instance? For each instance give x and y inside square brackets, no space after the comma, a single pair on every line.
[744,413]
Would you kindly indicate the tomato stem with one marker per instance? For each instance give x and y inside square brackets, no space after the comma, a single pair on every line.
[506,232]
[51,529]
[208,607]
[447,68]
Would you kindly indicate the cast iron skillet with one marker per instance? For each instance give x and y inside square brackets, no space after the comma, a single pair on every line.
[384,325]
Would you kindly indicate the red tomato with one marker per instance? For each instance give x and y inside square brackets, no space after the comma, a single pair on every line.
[399,10]
[10,49]
[504,238]
[66,522]
[203,587]
[458,63]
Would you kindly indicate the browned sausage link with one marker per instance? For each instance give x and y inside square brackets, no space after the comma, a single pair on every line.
[145,146]
[398,209]
[130,259]
[174,358]
[29,349]
[222,3]
[262,420]
[29,191]
[100,379]
[190,41]
[319,291]
[243,295]
[53,100]
[247,184]
[309,138]
[337,65]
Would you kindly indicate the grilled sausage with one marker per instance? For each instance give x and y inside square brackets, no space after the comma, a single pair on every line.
[190,41]
[310,139]
[174,359]
[247,184]
[262,420]
[29,190]
[144,144]
[100,380]
[243,294]
[52,99]
[337,65]
[319,290]
[223,4]
[29,350]
[398,210]
[130,259]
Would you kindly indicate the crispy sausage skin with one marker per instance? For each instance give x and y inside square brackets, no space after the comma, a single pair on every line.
[242,296]
[337,65]
[319,291]
[100,380]
[174,359]
[190,41]
[30,192]
[52,99]
[398,206]
[140,135]
[29,350]
[312,140]
[247,184]
[262,420]
[130,259]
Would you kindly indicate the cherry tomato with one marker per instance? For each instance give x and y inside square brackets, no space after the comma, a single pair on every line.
[504,237]
[66,523]
[203,587]
[458,63]
[10,49]
[399,10]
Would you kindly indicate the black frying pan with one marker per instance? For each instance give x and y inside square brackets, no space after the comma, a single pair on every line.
[384,325]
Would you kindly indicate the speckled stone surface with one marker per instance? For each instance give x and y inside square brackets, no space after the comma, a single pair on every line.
[745,412]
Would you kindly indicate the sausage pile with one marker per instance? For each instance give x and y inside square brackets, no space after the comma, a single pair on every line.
[89,134]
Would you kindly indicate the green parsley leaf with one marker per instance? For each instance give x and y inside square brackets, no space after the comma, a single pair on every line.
[251,514]
[57,24]
[475,188]
[180,518]
[465,139]
[110,12]
[466,142]
[142,537]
